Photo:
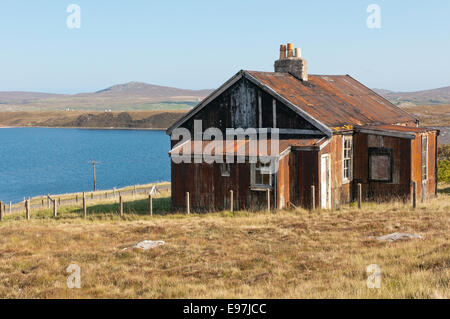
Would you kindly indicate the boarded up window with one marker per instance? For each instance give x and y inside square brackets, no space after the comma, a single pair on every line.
[380,164]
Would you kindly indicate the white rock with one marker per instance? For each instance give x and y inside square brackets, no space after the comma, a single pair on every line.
[147,244]
[398,236]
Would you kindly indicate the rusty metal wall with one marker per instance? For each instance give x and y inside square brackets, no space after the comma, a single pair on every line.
[210,191]
[416,165]
[303,172]
[399,187]
[283,182]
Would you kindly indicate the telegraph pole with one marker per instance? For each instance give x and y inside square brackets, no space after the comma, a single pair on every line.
[93,172]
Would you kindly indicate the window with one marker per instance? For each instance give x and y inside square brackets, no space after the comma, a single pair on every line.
[424,157]
[261,175]
[347,155]
[225,169]
[380,164]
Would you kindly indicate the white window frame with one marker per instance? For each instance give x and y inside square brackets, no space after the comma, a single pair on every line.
[424,165]
[350,168]
[265,167]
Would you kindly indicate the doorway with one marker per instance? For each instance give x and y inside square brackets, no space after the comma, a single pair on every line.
[325,181]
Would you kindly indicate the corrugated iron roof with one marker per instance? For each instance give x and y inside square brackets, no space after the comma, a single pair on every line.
[399,128]
[334,100]
[240,147]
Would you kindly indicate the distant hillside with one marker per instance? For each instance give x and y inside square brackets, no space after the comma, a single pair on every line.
[128,96]
[91,119]
[426,97]
[142,96]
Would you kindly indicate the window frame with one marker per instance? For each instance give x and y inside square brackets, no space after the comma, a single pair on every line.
[381,151]
[424,165]
[253,170]
[350,159]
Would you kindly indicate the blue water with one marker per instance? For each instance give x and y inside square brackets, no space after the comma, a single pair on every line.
[38,161]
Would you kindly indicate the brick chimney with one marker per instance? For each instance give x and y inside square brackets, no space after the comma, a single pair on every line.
[293,63]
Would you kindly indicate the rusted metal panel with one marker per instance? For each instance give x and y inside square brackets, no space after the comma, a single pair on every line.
[334,100]
[240,147]
[283,182]
[399,185]
[307,175]
[210,191]
[428,187]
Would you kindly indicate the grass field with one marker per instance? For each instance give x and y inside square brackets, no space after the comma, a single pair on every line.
[291,254]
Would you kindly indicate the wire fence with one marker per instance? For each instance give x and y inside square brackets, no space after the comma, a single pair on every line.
[48,201]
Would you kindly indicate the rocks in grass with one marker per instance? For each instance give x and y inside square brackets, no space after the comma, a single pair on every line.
[398,236]
[147,244]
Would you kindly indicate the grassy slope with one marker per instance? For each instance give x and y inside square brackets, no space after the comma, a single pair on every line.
[431,115]
[220,255]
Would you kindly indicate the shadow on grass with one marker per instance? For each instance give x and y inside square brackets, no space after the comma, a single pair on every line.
[161,206]
[445,190]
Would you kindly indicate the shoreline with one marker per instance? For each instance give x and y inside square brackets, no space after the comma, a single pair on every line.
[91,128]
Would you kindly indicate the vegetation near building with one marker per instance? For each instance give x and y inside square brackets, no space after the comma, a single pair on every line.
[444,164]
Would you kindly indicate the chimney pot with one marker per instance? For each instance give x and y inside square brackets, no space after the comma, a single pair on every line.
[294,65]
[282,52]
[290,50]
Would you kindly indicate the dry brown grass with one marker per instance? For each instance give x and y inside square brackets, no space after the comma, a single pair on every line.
[222,255]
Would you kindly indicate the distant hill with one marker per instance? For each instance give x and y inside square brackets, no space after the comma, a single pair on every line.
[143,96]
[425,97]
[151,91]
[127,96]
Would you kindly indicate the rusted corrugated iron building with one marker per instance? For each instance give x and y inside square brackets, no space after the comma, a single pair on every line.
[334,133]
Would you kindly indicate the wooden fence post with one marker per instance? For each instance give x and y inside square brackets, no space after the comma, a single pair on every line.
[414,197]
[43,203]
[268,199]
[55,208]
[359,195]
[27,209]
[188,208]
[313,197]
[76,199]
[150,204]
[10,207]
[231,201]
[59,201]
[92,195]
[48,201]
[1,211]
[84,206]
[120,206]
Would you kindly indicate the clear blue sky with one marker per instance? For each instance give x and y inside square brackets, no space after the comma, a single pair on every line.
[200,44]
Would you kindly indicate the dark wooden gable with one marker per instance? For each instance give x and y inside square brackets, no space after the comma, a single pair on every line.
[237,107]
